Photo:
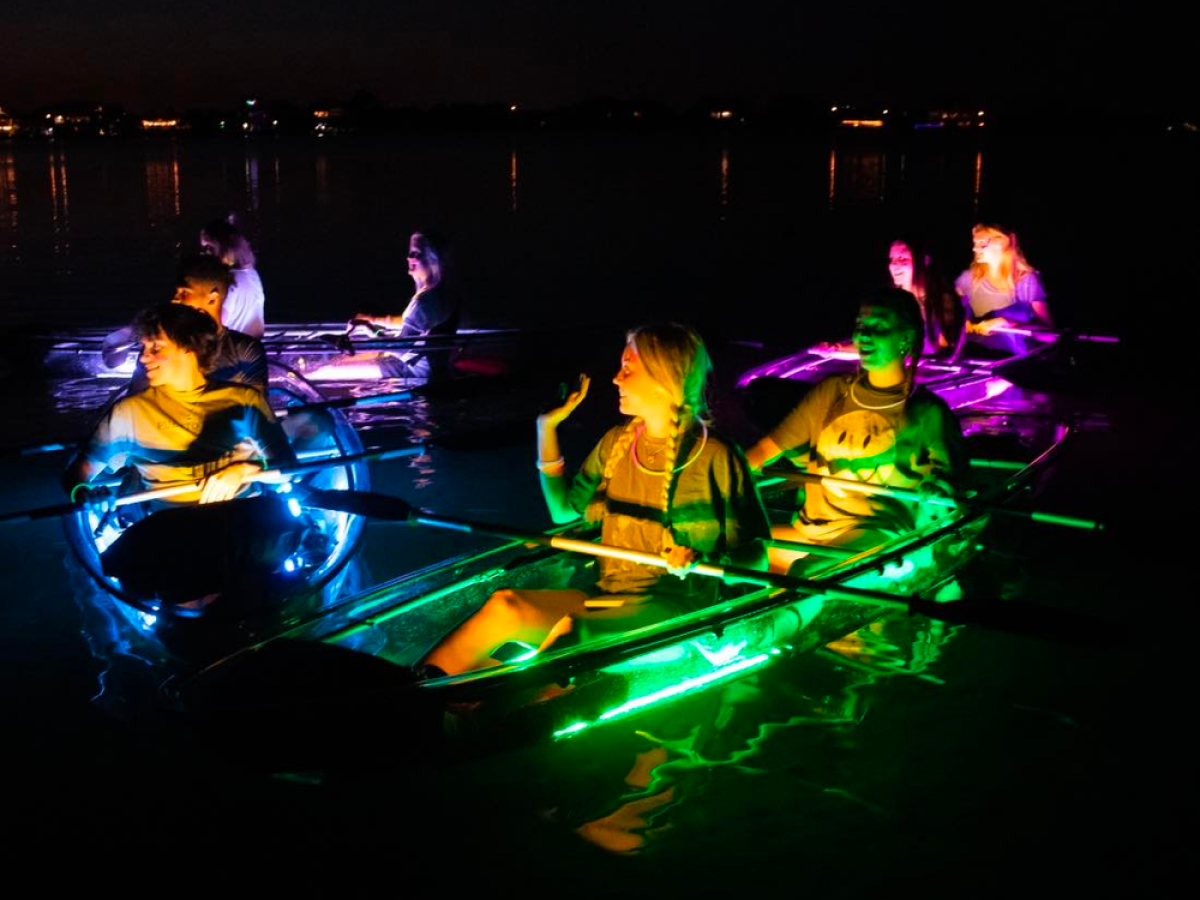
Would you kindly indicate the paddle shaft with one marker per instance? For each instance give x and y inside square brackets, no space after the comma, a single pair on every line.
[1013,618]
[269,475]
[1055,335]
[728,574]
[879,490]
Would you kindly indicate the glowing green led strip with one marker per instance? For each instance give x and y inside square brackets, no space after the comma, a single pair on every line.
[674,690]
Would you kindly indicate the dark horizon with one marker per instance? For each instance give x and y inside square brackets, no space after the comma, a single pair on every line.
[1092,57]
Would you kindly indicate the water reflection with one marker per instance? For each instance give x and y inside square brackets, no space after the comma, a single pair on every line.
[512,178]
[8,205]
[162,185]
[832,176]
[978,181]
[60,204]
[748,733]
[724,194]
[861,175]
[252,179]
[322,169]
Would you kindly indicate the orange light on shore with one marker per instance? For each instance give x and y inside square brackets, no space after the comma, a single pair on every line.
[160,123]
[863,123]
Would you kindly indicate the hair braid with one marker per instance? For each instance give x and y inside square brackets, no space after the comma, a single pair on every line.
[620,448]
[673,441]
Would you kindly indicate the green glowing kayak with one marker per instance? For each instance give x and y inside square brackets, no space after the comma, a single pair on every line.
[358,654]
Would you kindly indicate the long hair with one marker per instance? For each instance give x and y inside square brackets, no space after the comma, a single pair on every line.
[675,357]
[921,264]
[229,241]
[1013,265]
[939,305]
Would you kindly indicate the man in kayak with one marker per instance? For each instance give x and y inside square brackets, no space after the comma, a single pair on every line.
[184,427]
[203,282]
[876,427]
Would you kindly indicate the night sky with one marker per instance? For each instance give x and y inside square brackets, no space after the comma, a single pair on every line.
[149,54]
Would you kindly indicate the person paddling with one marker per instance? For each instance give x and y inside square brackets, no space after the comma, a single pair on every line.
[432,310]
[875,426]
[183,427]
[1000,290]
[661,483]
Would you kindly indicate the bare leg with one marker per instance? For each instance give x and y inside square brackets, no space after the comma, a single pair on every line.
[779,560]
[528,616]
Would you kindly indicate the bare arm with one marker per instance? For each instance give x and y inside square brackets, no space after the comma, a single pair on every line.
[550,461]
[762,454]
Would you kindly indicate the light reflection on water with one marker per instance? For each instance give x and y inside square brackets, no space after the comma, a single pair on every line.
[329,226]
[743,729]
[163,199]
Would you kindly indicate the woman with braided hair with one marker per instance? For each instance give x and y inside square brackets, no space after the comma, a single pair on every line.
[660,483]
[875,426]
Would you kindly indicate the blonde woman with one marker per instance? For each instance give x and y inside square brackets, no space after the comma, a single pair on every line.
[1000,290]
[661,483]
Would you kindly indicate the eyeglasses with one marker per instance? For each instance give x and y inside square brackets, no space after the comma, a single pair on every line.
[416,254]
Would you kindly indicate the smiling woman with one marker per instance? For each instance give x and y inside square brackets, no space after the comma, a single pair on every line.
[659,483]
[876,426]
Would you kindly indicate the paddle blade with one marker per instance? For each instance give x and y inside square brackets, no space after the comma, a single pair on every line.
[1026,619]
[362,503]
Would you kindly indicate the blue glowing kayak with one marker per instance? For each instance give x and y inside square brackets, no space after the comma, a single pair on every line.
[293,560]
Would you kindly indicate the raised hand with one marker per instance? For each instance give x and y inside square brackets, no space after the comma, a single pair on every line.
[556,416]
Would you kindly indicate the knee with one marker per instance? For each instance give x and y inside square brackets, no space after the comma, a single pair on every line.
[504,604]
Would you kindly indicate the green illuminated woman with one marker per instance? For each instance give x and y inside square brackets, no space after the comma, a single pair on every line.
[875,427]
[661,483]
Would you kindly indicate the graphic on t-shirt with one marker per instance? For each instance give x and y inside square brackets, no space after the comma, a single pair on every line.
[858,445]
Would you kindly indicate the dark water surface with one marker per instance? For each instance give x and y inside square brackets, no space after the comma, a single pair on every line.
[910,757]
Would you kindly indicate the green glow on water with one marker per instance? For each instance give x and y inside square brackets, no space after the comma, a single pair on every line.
[686,686]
